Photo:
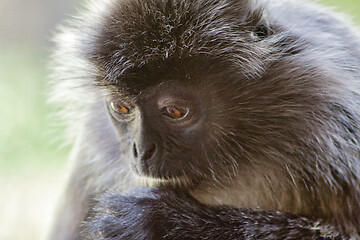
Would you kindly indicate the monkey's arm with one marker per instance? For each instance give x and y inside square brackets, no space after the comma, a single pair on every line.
[163,214]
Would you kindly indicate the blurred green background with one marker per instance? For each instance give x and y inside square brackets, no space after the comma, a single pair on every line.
[32,156]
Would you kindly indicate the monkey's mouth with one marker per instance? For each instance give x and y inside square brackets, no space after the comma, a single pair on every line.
[149,172]
[156,168]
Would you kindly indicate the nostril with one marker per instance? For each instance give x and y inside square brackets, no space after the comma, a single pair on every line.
[149,153]
[135,151]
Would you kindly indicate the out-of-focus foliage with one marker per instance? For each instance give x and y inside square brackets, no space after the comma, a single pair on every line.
[350,7]
[26,128]
[27,137]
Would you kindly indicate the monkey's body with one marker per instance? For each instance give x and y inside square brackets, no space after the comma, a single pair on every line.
[277,88]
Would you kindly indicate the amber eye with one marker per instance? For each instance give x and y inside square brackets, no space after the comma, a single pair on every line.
[118,108]
[174,113]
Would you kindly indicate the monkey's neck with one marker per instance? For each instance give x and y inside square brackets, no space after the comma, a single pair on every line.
[277,191]
[253,191]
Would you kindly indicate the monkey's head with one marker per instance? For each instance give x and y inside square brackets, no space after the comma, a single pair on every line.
[201,89]
[174,71]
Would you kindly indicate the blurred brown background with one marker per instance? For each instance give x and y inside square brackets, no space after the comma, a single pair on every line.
[32,157]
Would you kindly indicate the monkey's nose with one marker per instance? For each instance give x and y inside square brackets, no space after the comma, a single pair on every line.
[135,151]
[149,153]
[145,155]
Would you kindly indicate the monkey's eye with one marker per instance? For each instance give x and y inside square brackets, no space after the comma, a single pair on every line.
[119,108]
[175,113]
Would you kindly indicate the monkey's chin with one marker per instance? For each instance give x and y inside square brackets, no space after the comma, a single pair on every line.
[146,181]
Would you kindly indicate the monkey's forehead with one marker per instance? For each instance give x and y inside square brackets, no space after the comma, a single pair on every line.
[163,34]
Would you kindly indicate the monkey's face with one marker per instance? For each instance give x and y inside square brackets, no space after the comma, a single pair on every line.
[170,127]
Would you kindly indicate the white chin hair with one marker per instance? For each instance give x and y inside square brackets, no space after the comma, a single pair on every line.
[154,182]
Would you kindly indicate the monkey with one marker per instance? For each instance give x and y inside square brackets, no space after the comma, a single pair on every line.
[209,119]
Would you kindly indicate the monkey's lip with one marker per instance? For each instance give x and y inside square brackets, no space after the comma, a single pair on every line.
[143,171]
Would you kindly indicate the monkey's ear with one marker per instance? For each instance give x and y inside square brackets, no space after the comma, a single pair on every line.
[262,31]
[257,21]
[254,17]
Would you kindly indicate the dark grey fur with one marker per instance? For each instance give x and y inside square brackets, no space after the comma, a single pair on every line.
[279,90]
[164,214]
